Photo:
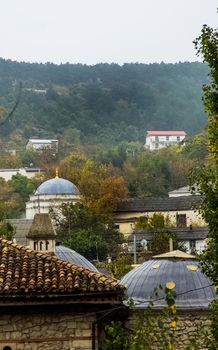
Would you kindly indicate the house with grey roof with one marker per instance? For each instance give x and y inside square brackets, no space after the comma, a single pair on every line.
[181,211]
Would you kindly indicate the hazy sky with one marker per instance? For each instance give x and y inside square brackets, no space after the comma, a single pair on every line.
[93,31]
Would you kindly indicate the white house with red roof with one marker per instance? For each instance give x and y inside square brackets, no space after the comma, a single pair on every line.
[156,139]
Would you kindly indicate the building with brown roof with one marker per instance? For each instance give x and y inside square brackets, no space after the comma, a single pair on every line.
[51,303]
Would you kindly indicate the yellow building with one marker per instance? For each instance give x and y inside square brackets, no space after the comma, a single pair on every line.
[181,211]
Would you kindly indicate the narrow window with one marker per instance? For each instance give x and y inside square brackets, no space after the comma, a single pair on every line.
[192,245]
[178,138]
[181,220]
[40,245]
[35,245]
[46,245]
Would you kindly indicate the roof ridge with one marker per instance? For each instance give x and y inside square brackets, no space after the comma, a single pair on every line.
[64,263]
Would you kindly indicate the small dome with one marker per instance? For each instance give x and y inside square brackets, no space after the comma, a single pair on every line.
[192,287]
[57,186]
[65,253]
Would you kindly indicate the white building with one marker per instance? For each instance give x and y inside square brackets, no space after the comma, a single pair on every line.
[182,191]
[159,139]
[50,195]
[28,172]
[41,144]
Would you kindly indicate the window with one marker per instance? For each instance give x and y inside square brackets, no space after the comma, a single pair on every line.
[7,348]
[117,227]
[156,138]
[46,245]
[181,220]
[35,245]
[178,138]
[167,138]
[192,244]
[40,245]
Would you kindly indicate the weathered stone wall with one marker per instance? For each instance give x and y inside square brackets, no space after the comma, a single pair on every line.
[191,327]
[44,331]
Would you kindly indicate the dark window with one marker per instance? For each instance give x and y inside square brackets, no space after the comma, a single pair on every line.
[156,138]
[117,227]
[7,348]
[181,220]
[35,245]
[40,245]
[192,244]
[46,245]
[178,138]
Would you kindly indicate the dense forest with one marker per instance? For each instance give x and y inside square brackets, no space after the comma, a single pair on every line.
[105,103]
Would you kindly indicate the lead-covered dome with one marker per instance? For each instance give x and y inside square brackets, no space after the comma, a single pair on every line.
[193,289]
[65,253]
[57,186]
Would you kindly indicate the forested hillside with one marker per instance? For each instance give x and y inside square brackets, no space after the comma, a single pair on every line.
[105,103]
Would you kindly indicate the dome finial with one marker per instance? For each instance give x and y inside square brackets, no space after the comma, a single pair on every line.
[57,174]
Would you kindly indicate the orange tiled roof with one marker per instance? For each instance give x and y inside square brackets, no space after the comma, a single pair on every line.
[24,271]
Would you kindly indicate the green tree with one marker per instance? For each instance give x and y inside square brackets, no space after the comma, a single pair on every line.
[11,202]
[207,177]
[22,185]
[87,231]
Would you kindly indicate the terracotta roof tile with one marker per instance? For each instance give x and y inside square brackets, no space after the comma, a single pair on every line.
[26,272]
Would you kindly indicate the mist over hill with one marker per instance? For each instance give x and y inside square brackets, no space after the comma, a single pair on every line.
[104,103]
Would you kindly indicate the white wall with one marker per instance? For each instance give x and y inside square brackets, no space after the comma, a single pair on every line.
[8,173]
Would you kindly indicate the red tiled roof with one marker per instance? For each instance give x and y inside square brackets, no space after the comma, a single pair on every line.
[156,132]
[24,271]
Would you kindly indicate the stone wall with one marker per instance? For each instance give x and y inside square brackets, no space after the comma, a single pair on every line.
[191,327]
[46,331]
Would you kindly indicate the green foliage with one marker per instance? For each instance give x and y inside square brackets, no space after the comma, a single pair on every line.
[158,224]
[120,266]
[206,178]
[89,232]
[106,103]
[117,337]
[6,230]
[11,204]
[156,173]
[157,220]
[22,185]
[160,242]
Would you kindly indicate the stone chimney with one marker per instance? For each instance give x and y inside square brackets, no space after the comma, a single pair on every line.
[41,234]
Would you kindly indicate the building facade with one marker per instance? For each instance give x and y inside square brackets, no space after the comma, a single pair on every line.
[156,140]
[42,144]
[28,172]
[50,195]
[180,211]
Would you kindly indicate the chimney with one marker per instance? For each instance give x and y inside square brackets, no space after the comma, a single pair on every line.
[171,244]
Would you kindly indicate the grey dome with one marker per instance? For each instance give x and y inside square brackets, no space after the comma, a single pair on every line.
[57,186]
[65,253]
[192,287]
